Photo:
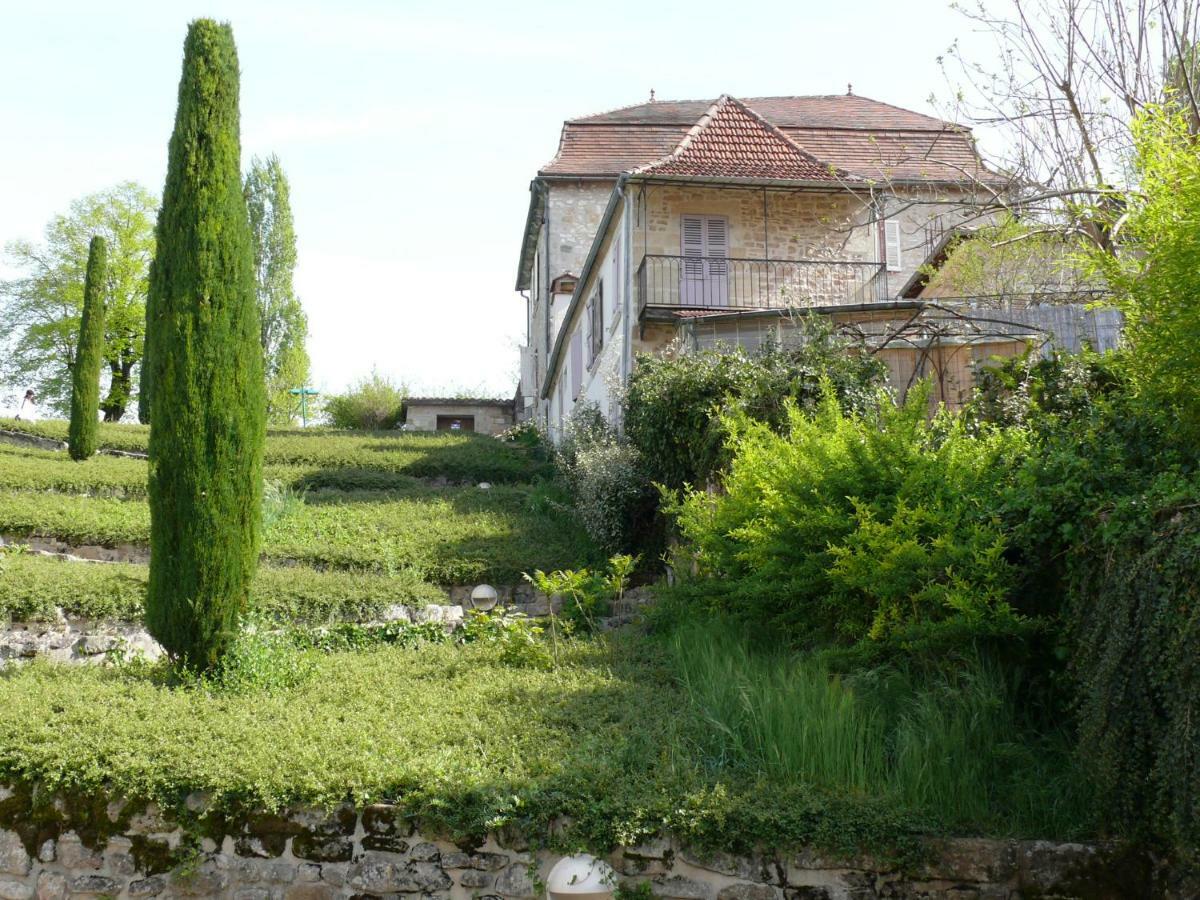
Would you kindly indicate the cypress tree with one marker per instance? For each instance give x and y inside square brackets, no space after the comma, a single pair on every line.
[207,400]
[89,355]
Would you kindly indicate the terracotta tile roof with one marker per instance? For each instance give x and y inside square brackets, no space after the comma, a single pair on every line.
[730,140]
[947,155]
[855,134]
[821,111]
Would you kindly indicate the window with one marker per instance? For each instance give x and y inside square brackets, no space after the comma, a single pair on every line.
[618,287]
[576,363]
[596,324]
[892,249]
[455,423]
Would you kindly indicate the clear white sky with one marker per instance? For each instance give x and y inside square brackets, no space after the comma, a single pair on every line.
[410,131]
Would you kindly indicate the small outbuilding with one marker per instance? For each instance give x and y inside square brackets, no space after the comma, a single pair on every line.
[483,415]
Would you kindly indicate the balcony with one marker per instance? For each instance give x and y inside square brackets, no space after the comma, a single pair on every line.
[720,283]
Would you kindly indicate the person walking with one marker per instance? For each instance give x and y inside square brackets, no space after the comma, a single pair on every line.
[28,410]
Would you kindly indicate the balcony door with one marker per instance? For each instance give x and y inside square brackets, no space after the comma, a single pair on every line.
[704,271]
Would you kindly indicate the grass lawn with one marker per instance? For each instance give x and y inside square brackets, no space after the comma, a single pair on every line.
[454,457]
[349,502]
[33,588]
[453,734]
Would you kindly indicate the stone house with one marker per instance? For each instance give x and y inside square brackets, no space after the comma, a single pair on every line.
[706,223]
[483,415]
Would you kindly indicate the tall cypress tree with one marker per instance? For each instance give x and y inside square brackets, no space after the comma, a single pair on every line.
[207,400]
[89,355]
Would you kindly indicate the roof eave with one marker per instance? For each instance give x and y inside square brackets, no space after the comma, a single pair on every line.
[823,184]
[533,222]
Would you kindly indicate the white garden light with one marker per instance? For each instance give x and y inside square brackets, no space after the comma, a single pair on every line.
[484,597]
[581,877]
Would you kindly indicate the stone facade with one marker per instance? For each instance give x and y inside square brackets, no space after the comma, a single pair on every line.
[374,852]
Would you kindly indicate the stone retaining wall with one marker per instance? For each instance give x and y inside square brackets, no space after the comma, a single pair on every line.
[376,853]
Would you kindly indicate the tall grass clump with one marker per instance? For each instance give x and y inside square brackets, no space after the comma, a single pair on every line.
[950,743]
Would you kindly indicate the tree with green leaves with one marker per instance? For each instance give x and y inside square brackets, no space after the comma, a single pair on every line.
[207,404]
[41,308]
[284,326]
[89,355]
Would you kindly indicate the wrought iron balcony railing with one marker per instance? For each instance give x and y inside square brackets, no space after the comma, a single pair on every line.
[718,283]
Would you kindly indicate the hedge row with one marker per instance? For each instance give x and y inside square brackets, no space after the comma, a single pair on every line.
[35,587]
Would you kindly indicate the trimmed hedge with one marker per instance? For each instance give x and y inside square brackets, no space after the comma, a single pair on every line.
[34,587]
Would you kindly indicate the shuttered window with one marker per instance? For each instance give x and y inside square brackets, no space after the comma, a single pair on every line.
[618,287]
[891,234]
[576,362]
[704,245]
[596,325]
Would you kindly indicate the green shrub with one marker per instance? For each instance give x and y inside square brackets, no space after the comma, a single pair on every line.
[607,482]
[207,397]
[370,404]
[852,528]
[89,356]
[674,406]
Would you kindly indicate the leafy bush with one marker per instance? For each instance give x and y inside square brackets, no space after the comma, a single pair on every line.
[857,528]
[674,406]
[606,479]
[370,404]
[1156,275]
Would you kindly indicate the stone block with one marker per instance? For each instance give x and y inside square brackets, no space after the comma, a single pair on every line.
[425,852]
[311,891]
[747,891]
[13,858]
[756,867]
[384,818]
[278,872]
[262,846]
[252,893]
[15,890]
[383,844]
[378,876]
[73,855]
[1044,866]
[52,886]
[46,851]
[472,878]
[976,860]
[94,885]
[677,887]
[148,887]
[322,848]
[515,881]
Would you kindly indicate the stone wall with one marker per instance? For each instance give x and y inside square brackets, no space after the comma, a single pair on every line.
[488,418]
[375,852]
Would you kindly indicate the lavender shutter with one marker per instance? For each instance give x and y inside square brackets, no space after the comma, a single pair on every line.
[576,362]
[704,276]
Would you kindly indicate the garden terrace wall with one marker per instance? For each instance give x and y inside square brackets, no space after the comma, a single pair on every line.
[53,848]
